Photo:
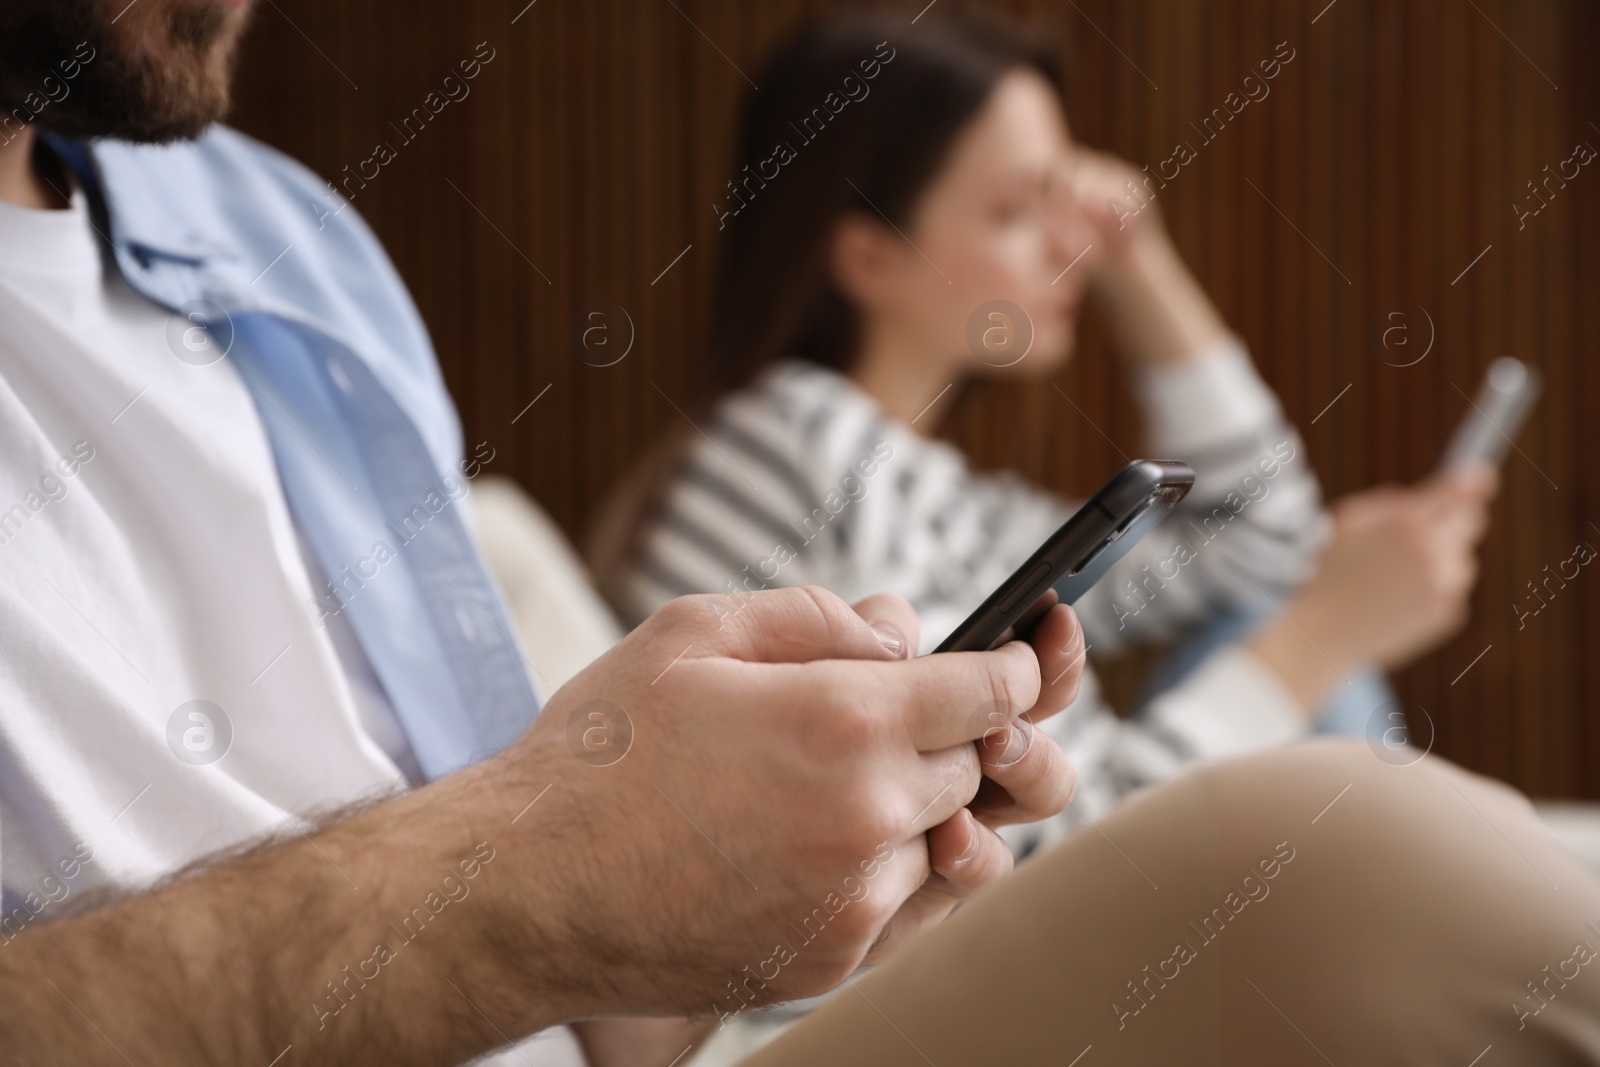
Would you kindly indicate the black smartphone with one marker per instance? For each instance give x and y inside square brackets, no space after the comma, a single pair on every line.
[1075,557]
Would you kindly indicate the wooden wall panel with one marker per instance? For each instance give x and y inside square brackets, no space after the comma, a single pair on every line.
[1391,149]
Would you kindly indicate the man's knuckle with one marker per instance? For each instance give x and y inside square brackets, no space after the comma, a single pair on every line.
[681,613]
[1000,862]
[865,919]
[855,811]
[1031,786]
[839,729]
[969,774]
[832,971]
[827,604]
[852,723]
[1009,687]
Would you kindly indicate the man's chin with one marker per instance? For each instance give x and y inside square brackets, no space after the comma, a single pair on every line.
[144,129]
[156,72]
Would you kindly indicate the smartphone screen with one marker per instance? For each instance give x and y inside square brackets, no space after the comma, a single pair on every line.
[1077,555]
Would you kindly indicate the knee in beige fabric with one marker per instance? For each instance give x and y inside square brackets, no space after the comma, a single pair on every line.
[1426,908]
[1317,903]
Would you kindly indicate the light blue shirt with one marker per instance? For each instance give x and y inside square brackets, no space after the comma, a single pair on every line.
[258,253]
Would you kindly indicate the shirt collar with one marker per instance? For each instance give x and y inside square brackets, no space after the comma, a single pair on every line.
[141,234]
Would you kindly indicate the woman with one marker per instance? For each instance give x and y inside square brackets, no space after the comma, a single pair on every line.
[909,211]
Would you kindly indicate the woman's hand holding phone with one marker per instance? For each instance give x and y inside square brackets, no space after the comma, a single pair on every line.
[1394,582]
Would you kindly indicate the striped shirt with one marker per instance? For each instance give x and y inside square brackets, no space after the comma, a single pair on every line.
[803,479]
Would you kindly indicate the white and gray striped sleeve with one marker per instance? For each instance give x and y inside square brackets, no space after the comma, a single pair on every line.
[773,493]
[1250,529]
[733,519]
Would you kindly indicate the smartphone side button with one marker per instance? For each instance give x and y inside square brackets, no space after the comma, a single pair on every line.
[1030,586]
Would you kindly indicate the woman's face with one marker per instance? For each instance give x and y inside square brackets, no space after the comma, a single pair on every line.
[982,275]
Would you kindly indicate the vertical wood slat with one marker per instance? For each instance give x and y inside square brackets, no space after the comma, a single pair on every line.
[1395,142]
[1583,81]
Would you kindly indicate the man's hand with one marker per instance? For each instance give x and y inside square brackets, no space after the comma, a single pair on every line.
[787,775]
[1022,781]
[729,807]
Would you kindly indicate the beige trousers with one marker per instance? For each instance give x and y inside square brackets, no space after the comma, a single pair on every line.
[1309,905]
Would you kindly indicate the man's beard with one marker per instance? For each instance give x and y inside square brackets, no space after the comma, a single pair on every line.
[159,68]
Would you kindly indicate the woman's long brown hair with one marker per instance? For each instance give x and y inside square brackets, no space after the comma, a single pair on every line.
[800,165]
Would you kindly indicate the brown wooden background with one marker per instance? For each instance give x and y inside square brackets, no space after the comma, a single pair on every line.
[592,146]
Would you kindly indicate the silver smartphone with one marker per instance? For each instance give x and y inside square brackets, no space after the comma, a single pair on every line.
[1509,390]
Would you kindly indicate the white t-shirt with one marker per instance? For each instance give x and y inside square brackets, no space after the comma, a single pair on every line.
[148,560]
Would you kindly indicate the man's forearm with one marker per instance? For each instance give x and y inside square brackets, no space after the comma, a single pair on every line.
[399,935]
[559,881]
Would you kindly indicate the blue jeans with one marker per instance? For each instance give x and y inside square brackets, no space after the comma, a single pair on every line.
[1365,707]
